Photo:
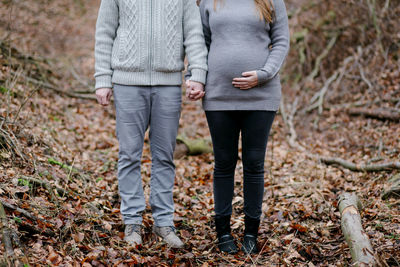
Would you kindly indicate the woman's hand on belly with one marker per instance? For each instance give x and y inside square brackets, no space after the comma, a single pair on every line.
[248,80]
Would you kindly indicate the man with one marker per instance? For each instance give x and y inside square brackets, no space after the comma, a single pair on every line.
[139,53]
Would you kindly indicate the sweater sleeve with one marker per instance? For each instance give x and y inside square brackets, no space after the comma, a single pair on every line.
[195,48]
[106,27]
[280,41]
[206,24]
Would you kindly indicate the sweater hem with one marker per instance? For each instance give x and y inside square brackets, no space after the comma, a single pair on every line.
[147,78]
[254,105]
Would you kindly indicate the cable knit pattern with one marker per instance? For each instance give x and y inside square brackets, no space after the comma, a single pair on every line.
[142,42]
[171,34]
[130,42]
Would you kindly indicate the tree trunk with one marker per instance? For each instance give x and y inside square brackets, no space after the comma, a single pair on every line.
[358,241]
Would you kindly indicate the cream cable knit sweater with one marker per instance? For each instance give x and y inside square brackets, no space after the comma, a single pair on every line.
[143,42]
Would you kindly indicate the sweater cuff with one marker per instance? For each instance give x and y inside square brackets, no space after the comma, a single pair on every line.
[103,81]
[198,75]
[263,76]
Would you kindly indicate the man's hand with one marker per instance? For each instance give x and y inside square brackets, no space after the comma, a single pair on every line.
[103,96]
[194,90]
[249,80]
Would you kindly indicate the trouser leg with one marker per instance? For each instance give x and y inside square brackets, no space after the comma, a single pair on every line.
[255,131]
[132,105]
[164,123]
[224,128]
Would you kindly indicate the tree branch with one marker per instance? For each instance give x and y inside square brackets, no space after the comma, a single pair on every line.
[22,211]
[317,100]
[379,113]
[6,233]
[47,185]
[363,167]
[323,55]
[55,89]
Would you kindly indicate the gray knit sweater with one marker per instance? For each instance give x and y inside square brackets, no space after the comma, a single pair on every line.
[143,42]
[239,41]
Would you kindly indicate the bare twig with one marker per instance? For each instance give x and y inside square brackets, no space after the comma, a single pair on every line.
[323,55]
[293,134]
[33,229]
[393,189]
[362,73]
[23,104]
[17,242]
[373,14]
[5,233]
[55,89]
[10,84]
[48,186]
[364,78]
[288,119]
[363,167]
[318,99]
[380,113]
[22,211]
[81,81]
[367,103]
[10,141]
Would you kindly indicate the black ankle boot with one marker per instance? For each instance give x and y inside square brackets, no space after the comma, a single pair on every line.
[226,243]
[250,235]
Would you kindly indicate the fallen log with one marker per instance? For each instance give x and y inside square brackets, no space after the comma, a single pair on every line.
[380,113]
[362,167]
[191,147]
[357,240]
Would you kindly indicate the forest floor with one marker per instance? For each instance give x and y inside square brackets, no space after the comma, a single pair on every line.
[70,143]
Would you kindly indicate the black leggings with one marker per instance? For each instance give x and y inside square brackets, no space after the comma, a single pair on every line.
[225,127]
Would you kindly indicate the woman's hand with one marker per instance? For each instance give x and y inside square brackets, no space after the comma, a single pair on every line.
[194,90]
[103,96]
[248,80]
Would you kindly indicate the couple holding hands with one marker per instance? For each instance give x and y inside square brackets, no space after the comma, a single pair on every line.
[235,49]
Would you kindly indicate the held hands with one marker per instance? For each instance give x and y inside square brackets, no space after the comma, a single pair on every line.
[103,96]
[248,80]
[194,90]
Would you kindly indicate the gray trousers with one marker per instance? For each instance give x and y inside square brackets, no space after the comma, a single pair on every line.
[137,108]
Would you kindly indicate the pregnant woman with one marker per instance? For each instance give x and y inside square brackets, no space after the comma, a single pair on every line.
[248,41]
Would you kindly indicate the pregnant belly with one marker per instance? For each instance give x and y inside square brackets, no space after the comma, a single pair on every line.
[230,62]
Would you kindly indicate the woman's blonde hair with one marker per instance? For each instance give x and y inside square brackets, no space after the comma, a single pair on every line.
[264,7]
